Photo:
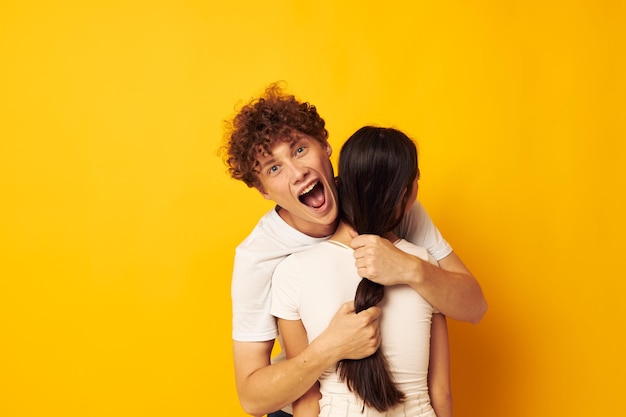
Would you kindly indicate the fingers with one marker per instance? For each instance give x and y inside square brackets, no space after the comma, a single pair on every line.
[365,267]
[378,339]
[367,317]
[373,313]
[359,241]
[363,330]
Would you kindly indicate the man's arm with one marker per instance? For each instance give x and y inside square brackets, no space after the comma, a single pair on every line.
[451,287]
[264,387]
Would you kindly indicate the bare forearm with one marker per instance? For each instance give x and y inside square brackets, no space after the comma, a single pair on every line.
[274,386]
[439,386]
[455,293]
[451,287]
[442,404]
[264,388]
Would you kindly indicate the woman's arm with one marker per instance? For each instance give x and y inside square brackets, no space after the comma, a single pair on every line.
[295,341]
[439,367]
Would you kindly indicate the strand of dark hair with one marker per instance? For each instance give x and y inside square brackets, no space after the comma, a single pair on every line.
[370,378]
[369,204]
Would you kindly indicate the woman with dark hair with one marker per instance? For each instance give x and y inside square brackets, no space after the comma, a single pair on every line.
[409,374]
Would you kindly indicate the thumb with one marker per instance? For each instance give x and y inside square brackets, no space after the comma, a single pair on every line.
[374,312]
[348,306]
[353,233]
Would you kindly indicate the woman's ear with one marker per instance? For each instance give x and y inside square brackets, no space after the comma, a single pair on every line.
[401,209]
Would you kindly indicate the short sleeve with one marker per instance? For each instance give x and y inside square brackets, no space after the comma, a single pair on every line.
[418,228]
[286,289]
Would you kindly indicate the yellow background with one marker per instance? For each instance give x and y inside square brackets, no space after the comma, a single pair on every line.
[118,221]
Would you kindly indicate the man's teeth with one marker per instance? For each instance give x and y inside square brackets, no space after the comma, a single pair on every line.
[307,189]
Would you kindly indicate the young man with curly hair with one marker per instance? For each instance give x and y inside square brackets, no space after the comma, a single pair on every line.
[279,146]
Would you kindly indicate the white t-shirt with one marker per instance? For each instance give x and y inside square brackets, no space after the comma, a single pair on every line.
[271,241]
[311,286]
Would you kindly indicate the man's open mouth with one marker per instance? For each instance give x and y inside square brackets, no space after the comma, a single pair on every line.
[313,196]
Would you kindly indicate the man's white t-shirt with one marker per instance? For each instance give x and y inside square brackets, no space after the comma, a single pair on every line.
[271,241]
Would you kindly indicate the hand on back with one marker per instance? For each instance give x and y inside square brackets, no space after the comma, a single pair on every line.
[353,336]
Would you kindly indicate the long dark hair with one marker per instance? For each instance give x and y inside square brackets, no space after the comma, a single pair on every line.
[377,169]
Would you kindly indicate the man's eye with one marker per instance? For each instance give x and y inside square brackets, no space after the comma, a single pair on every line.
[300,149]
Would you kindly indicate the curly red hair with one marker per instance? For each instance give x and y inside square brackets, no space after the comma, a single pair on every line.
[260,123]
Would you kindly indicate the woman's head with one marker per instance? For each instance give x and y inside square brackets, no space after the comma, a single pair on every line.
[378,169]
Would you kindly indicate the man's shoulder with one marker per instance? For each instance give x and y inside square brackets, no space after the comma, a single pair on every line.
[272,233]
[266,233]
[415,250]
[319,258]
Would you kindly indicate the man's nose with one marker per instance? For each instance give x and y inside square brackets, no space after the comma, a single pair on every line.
[298,172]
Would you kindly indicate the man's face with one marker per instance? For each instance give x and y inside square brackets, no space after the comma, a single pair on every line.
[298,176]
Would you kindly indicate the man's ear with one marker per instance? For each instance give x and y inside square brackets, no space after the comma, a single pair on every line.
[328,149]
[263,192]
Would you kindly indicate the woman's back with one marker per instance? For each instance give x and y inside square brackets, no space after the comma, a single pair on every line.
[311,285]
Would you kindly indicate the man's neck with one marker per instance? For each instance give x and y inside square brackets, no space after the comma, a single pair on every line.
[308,228]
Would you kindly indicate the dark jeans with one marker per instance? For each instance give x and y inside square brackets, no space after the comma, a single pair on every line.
[279,413]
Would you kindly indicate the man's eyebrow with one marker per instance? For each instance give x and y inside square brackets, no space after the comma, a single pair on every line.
[298,140]
[271,160]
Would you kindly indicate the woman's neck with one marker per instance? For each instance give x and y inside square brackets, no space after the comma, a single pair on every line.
[344,234]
